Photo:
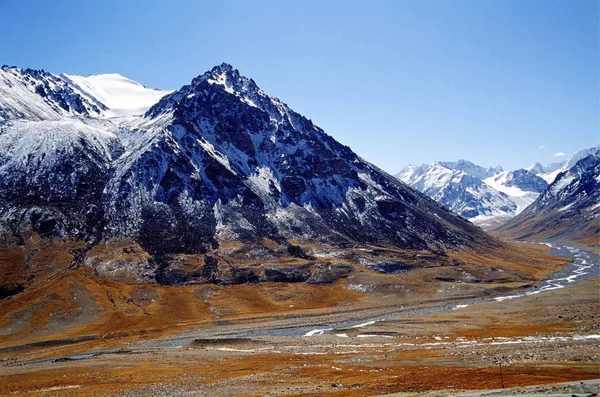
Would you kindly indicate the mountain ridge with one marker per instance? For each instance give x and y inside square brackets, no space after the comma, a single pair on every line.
[41,95]
[569,209]
[486,196]
[487,208]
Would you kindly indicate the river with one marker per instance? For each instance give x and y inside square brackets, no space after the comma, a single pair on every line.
[584,264]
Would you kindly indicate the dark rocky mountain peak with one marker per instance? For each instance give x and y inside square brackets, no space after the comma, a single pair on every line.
[218,160]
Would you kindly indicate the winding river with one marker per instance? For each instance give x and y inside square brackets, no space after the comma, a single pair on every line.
[584,264]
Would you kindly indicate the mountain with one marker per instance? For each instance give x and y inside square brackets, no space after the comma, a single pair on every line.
[548,172]
[536,168]
[551,171]
[520,179]
[39,95]
[459,191]
[522,186]
[569,209]
[486,196]
[425,175]
[474,170]
[121,96]
[215,162]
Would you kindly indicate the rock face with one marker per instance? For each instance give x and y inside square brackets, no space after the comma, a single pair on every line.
[568,209]
[217,160]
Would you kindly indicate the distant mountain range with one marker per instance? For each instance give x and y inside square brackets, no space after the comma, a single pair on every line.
[488,197]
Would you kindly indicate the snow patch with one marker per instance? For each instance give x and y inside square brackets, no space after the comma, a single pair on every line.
[364,324]
[317,332]
[123,96]
[459,307]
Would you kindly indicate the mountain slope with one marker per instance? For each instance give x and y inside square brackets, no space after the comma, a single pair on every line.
[52,174]
[569,209]
[522,186]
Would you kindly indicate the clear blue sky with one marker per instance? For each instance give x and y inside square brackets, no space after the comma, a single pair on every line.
[496,82]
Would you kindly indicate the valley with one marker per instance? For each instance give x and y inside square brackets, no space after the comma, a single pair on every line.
[212,241]
[311,342]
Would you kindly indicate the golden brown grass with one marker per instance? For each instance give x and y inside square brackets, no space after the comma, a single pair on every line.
[279,372]
[113,309]
[137,308]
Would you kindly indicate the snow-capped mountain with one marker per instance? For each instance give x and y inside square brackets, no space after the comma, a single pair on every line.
[459,191]
[121,96]
[39,95]
[216,160]
[548,172]
[568,209]
[486,196]
[551,171]
[474,170]
[521,186]
[434,175]
[519,179]
[579,155]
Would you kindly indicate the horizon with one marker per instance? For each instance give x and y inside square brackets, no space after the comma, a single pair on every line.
[507,84]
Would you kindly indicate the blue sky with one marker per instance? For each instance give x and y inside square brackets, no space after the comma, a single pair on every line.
[496,82]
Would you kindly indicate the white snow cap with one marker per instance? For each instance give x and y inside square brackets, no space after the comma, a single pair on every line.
[122,96]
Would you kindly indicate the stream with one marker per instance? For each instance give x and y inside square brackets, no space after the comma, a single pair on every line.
[584,264]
